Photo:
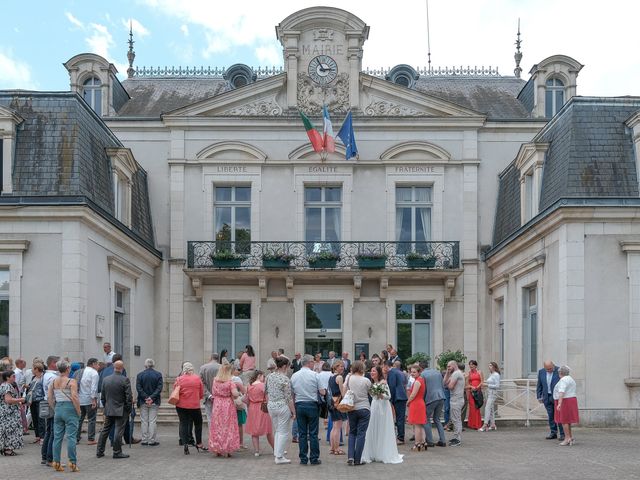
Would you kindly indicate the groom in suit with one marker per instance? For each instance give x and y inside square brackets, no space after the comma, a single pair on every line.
[547,379]
[397,383]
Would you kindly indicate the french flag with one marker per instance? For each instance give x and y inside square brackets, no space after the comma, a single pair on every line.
[328,136]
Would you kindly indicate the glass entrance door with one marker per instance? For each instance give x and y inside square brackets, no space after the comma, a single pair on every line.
[323,346]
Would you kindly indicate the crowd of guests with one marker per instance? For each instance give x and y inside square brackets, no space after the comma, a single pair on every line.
[368,401]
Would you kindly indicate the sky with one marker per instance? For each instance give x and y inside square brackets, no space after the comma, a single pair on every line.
[600,35]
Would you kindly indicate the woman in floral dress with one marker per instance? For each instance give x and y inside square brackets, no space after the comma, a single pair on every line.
[223,431]
[10,423]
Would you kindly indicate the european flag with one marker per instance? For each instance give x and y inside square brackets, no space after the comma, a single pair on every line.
[348,138]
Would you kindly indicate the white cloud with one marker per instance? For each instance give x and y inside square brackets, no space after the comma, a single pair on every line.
[184,29]
[74,20]
[139,30]
[100,40]
[269,55]
[14,73]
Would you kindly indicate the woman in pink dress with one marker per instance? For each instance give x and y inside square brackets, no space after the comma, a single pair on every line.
[258,422]
[224,438]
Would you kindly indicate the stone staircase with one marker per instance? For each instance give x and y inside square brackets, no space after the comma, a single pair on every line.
[166,415]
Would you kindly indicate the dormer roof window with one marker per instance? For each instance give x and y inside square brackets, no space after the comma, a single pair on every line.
[403,75]
[9,121]
[239,75]
[124,167]
[554,97]
[92,93]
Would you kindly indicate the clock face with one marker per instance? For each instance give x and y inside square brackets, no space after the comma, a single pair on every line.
[323,69]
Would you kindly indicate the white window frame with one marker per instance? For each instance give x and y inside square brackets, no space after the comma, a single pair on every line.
[554,88]
[233,321]
[124,167]
[414,204]
[530,163]
[323,330]
[89,90]
[530,365]
[119,309]
[323,204]
[414,321]
[500,326]
[233,204]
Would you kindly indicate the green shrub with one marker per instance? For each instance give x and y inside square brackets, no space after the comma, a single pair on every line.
[446,357]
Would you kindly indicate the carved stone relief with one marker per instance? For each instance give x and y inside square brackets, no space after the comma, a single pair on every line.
[267,106]
[379,107]
[312,97]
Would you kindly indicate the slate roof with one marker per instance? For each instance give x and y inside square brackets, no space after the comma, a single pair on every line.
[590,156]
[494,96]
[60,157]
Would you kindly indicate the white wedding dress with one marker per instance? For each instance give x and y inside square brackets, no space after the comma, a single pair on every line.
[380,442]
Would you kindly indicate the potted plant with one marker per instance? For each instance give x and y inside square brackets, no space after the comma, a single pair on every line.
[446,357]
[275,260]
[420,260]
[226,259]
[324,260]
[417,358]
[371,260]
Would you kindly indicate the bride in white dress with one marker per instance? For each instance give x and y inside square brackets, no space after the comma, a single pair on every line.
[380,442]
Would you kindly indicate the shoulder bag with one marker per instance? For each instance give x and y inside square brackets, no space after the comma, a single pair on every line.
[175,395]
[263,405]
[347,404]
[478,398]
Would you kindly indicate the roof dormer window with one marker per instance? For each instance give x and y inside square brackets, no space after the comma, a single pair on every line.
[9,121]
[92,93]
[239,75]
[530,162]
[403,75]
[124,167]
[554,97]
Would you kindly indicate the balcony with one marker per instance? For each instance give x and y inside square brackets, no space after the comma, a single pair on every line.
[333,256]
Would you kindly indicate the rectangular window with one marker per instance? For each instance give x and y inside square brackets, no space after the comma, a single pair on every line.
[120,198]
[4,313]
[118,322]
[413,329]
[323,317]
[413,217]
[232,218]
[530,329]
[500,318]
[232,327]
[323,213]
[529,207]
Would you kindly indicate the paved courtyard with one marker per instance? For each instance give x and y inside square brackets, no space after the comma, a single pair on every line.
[510,453]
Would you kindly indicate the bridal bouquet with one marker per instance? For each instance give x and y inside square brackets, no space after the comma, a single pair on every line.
[377,389]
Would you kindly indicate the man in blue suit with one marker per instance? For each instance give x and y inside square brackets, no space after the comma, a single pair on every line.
[397,383]
[547,379]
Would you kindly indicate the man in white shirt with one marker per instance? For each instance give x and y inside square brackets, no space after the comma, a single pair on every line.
[108,353]
[47,379]
[19,371]
[87,379]
[271,363]
[332,359]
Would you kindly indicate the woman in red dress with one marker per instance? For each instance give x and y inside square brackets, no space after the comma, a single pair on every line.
[224,438]
[417,409]
[475,381]
[258,422]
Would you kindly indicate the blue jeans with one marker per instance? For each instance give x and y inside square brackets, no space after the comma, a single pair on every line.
[47,443]
[553,426]
[358,423]
[66,421]
[307,415]
[447,405]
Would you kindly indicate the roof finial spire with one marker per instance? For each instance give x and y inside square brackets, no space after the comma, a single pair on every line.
[518,54]
[131,55]
[428,39]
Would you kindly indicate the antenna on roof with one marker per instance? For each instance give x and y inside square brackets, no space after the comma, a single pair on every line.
[428,40]
[131,55]
[518,55]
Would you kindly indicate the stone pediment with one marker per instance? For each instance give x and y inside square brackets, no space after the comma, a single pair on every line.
[381,98]
[263,98]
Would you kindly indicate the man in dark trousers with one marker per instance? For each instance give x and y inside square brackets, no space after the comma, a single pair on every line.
[117,399]
[397,383]
[547,379]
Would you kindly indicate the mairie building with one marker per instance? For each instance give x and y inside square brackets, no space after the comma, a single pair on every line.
[180,212]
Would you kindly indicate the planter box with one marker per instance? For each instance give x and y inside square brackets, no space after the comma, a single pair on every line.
[371,263]
[275,264]
[323,263]
[227,263]
[421,262]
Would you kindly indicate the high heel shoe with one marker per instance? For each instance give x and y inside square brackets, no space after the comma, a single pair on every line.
[57,467]
[73,467]
[201,447]
[567,442]
[416,447]
[186,450]
[483,428]
[493,428]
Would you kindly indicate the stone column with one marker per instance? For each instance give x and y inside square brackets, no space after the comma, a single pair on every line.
[176,264]
[469,254]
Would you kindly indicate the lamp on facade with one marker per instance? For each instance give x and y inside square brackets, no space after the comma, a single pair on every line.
[370,332]
[277,331]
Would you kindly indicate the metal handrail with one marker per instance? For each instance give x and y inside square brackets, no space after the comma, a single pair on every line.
[303,255]
[514,396]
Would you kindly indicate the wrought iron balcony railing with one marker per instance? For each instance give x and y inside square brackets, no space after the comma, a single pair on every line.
[323,255]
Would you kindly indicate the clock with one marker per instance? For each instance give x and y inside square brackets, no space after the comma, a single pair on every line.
[323,69]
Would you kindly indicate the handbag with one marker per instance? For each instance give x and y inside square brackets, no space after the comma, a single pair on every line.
[263,406]
[44,409]
[347,404]
[478,398]
[239,402]
[175,395]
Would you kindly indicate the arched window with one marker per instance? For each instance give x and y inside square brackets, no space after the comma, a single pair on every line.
[92,91]
[554,97]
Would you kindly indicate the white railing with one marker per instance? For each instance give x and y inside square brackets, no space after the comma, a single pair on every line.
[517,400]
